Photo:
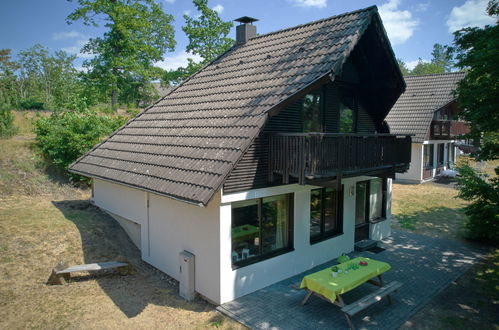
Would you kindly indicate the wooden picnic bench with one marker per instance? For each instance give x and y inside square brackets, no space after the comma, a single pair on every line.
[62,271]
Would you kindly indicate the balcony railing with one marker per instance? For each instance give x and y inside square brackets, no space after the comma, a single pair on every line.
[318,155]
[448,129]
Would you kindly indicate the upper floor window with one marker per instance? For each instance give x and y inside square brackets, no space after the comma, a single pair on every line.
[311,115]
[346,119]
[261,228]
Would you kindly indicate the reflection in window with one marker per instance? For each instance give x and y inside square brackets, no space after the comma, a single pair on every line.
[360,202]
[346,119]
[311,115]
[369,202]
[260,227]
[324,214]
[375,199]
[428,155]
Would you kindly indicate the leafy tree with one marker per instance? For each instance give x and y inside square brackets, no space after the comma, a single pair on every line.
[138,35]
[207,34]
[443,57]
[8,90]
[478,93]
[403,67]
[7,127]
[483,211]
[66,135]
[45,80]
[426,68]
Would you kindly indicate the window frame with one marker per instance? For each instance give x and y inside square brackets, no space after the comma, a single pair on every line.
[339,217]
[431,156]
[384,198]
[273,253]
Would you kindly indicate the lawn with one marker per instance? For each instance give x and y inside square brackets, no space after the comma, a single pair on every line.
[471,302]
[43,220]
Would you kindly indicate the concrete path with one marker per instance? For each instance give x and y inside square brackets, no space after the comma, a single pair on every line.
[423,264]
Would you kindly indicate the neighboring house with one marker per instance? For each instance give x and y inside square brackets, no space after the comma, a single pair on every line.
[271,160]
[428,110]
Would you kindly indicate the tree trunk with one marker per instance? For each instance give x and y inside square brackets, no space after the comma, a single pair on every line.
[114,99]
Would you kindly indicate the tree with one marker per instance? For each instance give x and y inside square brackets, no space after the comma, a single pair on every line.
[8,91]
[426,68]
[403,67]
[443,57]
[207,34]
[45,80]
[478,93]
[138,35]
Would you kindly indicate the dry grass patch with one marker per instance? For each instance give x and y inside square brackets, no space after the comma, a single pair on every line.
[431,209]
[36,232]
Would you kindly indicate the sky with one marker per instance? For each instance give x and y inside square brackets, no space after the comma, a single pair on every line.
[413,26]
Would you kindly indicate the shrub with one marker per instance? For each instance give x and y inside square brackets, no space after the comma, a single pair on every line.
[483,211]
[31,104]
[66,135]
[7,127]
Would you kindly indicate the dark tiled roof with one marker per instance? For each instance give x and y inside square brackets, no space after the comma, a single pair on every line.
[425,94]
[185,145]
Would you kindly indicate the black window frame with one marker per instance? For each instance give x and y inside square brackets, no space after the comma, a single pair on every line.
[274,253]
[339,218]
[430,164]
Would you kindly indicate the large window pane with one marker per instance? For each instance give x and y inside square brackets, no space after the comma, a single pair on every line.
[315,212]
[274,223]
[360,203]
[245,229]
[428,155]
[330,209]
[311,116]
[376,199]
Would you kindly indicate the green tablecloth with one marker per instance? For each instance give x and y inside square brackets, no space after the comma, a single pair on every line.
[323,282]
[244,232]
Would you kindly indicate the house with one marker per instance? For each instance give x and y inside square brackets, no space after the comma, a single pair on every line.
[272,159]
[428,110]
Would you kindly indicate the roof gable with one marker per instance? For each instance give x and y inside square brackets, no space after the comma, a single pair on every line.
[425,94]
[186,144]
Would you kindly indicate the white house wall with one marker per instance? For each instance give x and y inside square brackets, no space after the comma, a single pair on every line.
[167,228]
[241,281]
[415,172]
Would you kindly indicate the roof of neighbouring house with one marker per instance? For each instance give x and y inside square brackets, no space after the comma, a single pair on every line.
[186,144]
[425,94]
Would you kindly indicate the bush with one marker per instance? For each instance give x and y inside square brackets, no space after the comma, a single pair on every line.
[30,104]
[66,135]
[7,127]
[483,211]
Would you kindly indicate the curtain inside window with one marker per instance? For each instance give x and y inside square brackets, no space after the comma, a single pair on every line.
[375,199]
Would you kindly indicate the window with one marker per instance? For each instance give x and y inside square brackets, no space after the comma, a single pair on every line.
[440,154]
[370,201]
[311,115]
[325,214]
[346,119]
[428,155]
[261,228]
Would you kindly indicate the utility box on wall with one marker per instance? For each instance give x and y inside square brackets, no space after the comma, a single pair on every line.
[187,284]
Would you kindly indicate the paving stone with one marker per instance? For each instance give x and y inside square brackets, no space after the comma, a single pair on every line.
[425,266]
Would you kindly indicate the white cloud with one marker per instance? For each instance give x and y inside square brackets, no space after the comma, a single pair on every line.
[76,49]
[310,3]
[66,35]
[187,12]
[412,64]
[218,8]
[170,1]
[399,24]
[423,6]
[471,13]
[177,60]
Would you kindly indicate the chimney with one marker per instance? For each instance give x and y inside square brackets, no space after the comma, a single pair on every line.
[246,30]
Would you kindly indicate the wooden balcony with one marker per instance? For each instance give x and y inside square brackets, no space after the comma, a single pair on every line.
[448,129]
[313,156]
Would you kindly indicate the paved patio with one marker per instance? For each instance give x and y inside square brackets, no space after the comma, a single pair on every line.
[423,264]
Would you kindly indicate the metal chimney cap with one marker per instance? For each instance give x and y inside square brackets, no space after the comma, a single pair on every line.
[246,20]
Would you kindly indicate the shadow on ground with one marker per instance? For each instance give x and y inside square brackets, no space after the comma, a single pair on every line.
[102,239]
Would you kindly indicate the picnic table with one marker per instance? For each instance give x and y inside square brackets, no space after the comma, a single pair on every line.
[324,285]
